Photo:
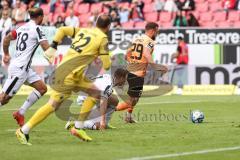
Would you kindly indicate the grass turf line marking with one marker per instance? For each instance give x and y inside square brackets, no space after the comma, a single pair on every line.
[166,102]
[185,153]
[169,102]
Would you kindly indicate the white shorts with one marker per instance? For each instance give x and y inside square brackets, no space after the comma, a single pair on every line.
[17,77]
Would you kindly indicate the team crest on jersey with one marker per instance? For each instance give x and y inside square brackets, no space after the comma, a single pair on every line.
[150,45]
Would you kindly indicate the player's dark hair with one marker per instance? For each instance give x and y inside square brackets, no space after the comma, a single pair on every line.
[120,73]
[151,25]
[180,38]
[35,12]
[103,21]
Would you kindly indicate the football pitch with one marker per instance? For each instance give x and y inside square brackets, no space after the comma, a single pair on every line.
[163,131]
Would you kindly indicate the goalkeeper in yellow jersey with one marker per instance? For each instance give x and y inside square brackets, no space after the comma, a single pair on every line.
[87,44]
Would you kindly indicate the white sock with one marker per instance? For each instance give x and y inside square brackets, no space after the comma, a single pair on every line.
[25,129]
[90,125]
[129,115]
[79,124]
[32,98]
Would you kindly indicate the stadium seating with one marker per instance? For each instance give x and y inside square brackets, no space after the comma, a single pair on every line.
[96,6]
[234,16]
[216,6]
[128,25]
[84,18]
[148,8]
[46,8]
[152,16]
[165,17]
[148,1]
[83,8]
[206,17]
[210,13]
[140,25]
[220,16]
[202,7]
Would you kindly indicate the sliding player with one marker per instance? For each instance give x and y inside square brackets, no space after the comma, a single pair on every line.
[101,114]
[139,55]
[69,76]
[29,37]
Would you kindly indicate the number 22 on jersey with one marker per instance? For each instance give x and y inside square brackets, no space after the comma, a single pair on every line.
[80,41]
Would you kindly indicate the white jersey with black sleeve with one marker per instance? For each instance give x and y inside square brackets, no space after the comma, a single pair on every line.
[28,37]
[104,84]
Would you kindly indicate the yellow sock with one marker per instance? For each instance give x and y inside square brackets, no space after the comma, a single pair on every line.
[40,115]
[87,106]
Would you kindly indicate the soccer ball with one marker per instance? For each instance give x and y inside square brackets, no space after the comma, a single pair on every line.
[197,116]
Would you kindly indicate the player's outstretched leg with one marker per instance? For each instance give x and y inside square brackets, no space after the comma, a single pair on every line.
[86,108]
[41,114]
[39,90]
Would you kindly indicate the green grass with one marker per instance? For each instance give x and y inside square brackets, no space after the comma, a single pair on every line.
[163,128]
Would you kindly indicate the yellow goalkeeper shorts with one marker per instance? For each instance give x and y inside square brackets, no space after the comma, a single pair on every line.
[74,82]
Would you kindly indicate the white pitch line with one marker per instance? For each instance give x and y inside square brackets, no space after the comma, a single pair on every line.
[185,153]
[166,102]
[169,102]
[14,109]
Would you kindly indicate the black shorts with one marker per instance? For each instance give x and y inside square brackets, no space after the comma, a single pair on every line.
[135,85]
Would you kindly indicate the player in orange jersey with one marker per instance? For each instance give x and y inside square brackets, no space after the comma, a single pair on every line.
[138,56]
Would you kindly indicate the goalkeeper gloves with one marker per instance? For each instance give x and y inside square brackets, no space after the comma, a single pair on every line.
[50,53]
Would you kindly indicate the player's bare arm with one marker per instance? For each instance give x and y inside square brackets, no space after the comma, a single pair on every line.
[155,66]
[103,110]
[6,43]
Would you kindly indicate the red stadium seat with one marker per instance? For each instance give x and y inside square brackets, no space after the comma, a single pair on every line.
[165,17]
[96,6]
[233,16]
[84,18]
[148,1]
[202,7]
[216,6]
[78,1]
[105,10]
[140,25]
[213,1]
[148,8]
[151,17]
[84,25]
[209,24]
[46,8]
[236,24]
[59,9]
[199,1]
[220,16]
[124,4]
[206,17]
[128,25]
[165,25]
[75,7]
[83,8]
[224,24]
[196,14]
